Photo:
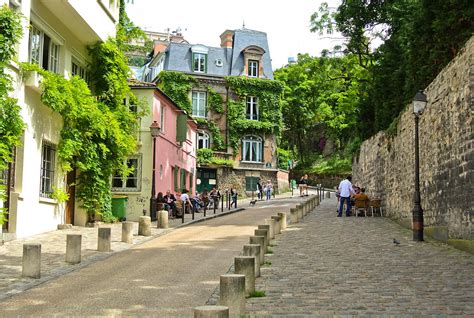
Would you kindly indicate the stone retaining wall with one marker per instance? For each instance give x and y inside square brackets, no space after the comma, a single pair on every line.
[385,164]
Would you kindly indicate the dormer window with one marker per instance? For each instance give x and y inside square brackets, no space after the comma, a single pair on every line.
[199,56]
[199,62]
[252,68]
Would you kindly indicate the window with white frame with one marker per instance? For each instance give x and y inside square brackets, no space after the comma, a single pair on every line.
[199,103]
[199,62]
[130,183]
[252,149]
[252,68]
[43,50]
[252,108]
[203,140]
[48,158]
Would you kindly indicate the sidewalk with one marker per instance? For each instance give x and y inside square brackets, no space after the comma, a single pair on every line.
[328,266]
[53,249]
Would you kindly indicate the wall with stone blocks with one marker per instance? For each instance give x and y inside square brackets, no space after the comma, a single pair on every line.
[385,164]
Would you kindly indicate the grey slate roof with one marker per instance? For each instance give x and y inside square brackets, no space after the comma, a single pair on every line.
[179,55]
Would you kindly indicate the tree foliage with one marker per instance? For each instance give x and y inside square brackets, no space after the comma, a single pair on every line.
[419,37]
[320,100]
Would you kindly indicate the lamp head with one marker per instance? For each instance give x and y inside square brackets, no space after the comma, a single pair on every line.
[155,129]
[419,103]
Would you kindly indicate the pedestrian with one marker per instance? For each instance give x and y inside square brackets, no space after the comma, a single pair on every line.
[233,195]
[185,199]
[269,187]
[303,185]
[259,190]
[345,192]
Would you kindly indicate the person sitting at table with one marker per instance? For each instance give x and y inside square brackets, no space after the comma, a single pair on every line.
[170,200]
[361,201]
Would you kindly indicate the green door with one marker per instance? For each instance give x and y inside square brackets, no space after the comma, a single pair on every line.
[206,179]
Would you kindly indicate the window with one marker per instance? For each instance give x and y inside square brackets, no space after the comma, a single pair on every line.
[252,149]
[162,118]
[203,140]
[199,62]
[48,156]
[251,183]
[43,50]
[132,181]
[199,104]
[252,108]
[253,68]
[79,70]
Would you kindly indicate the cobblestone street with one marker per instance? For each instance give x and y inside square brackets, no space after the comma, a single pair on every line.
[329,266]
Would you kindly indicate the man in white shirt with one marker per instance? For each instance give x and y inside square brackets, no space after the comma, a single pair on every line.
[345,191]
[185,198]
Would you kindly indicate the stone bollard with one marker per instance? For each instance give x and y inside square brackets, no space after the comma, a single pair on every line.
[144,226]
[245,265]
[300,211]
[104,239]
[211,312]
[277,224]
[266,227]
[232,293]
[162,222]
[254,251]
[282,216]
[31,261]
[260,241]
[127,232]
[265,241]
[73,248]
[271,222]
[294,215]
[328,195]
[306,208]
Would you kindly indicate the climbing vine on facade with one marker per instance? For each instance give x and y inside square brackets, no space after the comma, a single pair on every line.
[268,94]
[11,123]
[177,86]
[214,101]
[98,134]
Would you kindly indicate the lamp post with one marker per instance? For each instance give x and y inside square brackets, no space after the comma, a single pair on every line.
[419,103]
[154,131]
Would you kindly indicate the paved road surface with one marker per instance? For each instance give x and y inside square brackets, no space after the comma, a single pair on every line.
[328,266]
[165,277]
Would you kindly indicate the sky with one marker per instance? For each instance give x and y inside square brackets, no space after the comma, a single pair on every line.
[202,22]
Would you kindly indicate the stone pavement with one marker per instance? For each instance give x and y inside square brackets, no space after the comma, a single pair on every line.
[328,266]
[53,250]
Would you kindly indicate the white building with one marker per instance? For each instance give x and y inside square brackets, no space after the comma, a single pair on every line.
[56,36]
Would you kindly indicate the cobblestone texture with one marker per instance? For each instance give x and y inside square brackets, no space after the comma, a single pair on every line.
[330,266]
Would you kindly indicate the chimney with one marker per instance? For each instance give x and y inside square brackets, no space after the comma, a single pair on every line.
[227,39]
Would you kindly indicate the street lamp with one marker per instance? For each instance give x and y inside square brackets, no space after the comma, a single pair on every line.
[154,131]
[419,103]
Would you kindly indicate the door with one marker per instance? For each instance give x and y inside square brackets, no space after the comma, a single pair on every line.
[71,190]
[206,179]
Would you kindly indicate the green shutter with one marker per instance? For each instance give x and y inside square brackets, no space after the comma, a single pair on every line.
[181,128]
[175,177]
[251,183]
[183,179]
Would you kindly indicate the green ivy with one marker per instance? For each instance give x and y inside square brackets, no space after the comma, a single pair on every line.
[268,93]
[98,134]
[177,86]
[11,123]
[206,157]
[217,140]
[214,101]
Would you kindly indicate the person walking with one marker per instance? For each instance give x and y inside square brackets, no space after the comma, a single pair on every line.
[345,192]
[259,190]
[269,191]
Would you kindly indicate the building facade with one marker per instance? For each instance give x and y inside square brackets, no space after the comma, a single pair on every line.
[56,36]
[174,147]
[235,101]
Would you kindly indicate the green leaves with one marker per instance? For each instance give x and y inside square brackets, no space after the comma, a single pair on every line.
[177,86]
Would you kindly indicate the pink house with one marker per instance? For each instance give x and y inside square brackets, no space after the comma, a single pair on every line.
[175,152]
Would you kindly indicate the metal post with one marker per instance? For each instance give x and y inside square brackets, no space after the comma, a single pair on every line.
[222,203]
[214,203]
[153,189]
[205,208]
[192,211]
[417,210]
[184,211]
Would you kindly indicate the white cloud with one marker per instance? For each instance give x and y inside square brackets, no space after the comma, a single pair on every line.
[285,22]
